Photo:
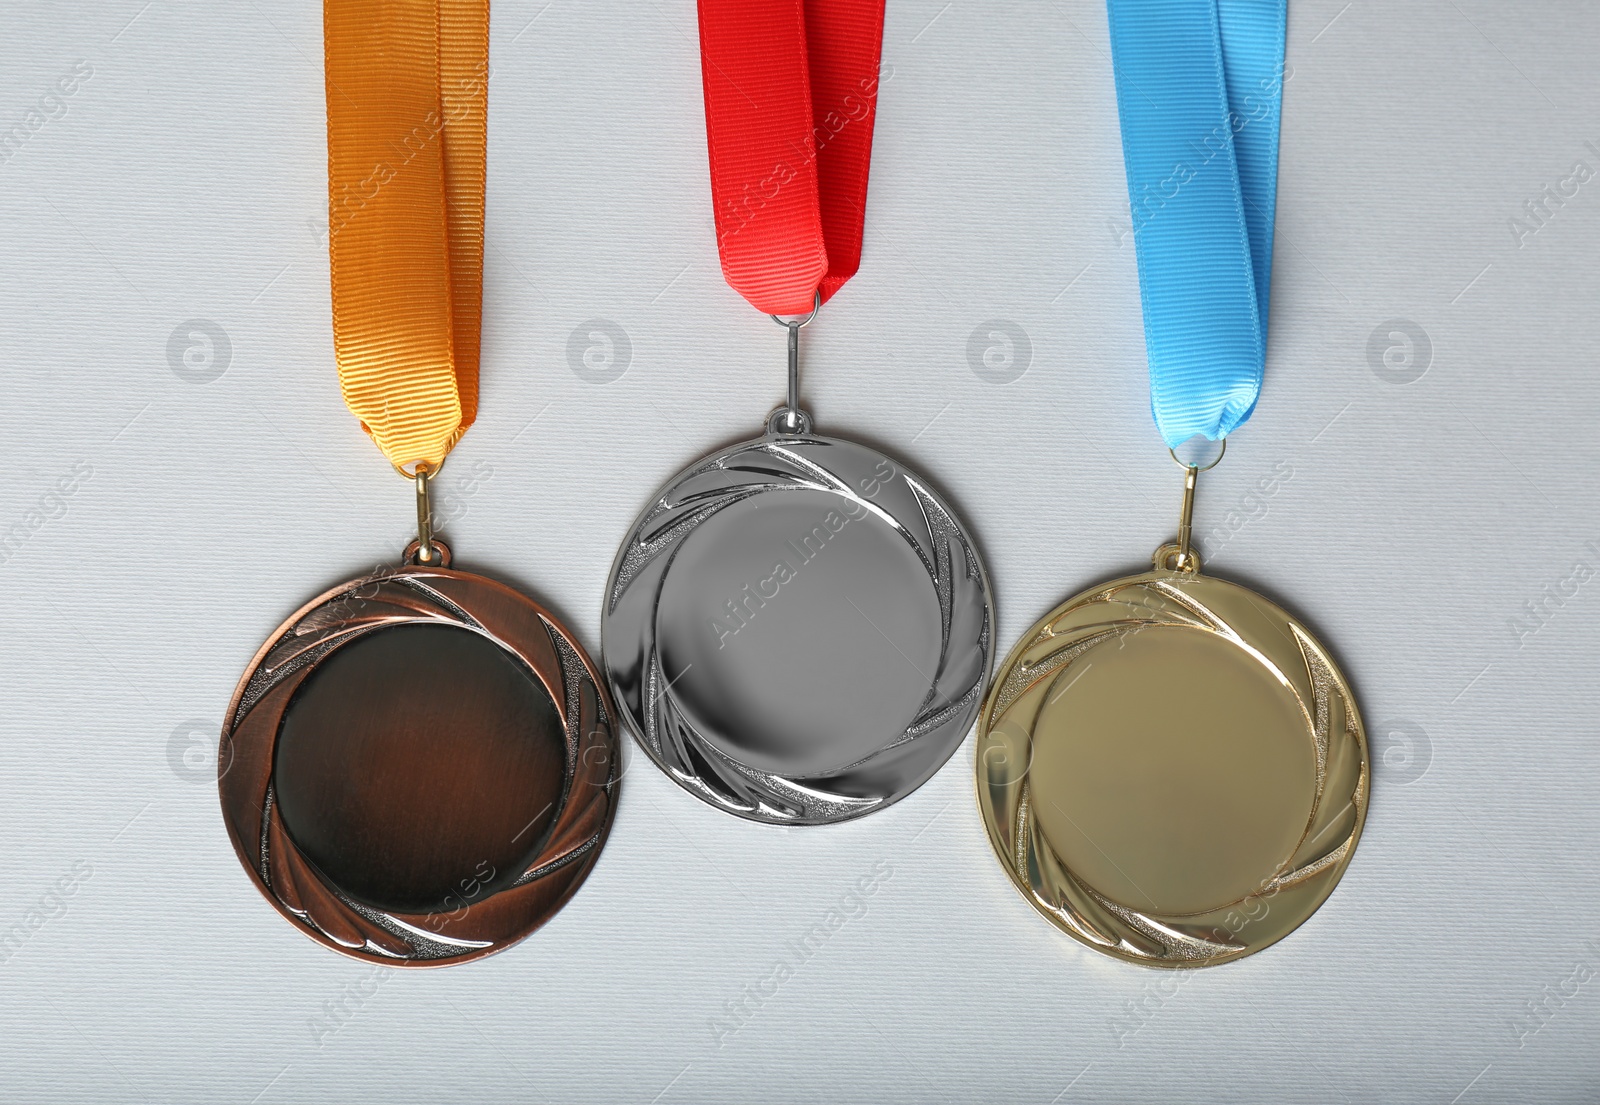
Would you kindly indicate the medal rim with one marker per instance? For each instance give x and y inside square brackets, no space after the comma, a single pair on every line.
[606,730]
[608,634]
[1018,880]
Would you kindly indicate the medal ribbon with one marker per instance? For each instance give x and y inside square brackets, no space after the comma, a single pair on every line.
[791,92]
[407,97]
[1199,95]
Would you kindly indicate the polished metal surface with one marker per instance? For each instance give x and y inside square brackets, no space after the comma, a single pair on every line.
[798,629]
[1171,769]
[419,766]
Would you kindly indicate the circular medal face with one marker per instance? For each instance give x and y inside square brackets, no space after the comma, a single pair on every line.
[418,768]
[798,629]
[1172,770]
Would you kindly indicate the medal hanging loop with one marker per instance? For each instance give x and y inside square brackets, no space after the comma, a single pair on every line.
[426,550]
[1186,561]
[791,419]
[1181,557]
[407,97]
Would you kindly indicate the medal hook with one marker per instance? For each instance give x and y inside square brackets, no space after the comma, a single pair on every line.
[1185,556]
[1181,557]
[790,418]
[427,550]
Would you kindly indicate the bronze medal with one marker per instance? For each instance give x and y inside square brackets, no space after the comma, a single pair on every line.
[421,767]
[418,767]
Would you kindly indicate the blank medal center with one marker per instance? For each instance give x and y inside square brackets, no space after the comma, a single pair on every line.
[1173,771]
[799,631]
[419,766]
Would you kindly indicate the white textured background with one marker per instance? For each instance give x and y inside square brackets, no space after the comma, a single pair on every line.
[185,180]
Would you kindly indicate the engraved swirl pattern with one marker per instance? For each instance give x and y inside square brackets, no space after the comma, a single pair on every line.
[774,465]
[1304,878]
[409,596]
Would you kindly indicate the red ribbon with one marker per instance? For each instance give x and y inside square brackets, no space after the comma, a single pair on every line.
[791,91]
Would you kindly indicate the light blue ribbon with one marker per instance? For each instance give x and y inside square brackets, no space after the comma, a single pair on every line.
[1199,94]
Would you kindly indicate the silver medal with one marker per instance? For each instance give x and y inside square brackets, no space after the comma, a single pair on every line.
[798,629]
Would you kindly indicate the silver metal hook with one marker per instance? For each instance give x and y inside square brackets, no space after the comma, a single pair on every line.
[794,420]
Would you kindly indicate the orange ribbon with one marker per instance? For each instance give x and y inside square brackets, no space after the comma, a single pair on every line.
[407,96]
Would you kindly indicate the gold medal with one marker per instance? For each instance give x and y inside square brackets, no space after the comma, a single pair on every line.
[1171,768]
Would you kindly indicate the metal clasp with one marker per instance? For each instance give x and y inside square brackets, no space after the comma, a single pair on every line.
[427,549]
[790,418]
[1181,557]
